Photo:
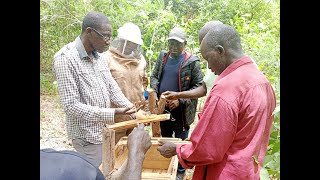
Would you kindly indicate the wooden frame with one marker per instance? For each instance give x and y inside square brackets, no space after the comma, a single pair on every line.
[155,166]
[155,107]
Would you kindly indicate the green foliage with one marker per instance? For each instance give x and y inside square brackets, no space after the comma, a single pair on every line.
[257,21]
[272,159]
[48,85]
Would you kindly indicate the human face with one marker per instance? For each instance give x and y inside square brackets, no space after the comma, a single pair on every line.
[129,47]
[215,60]
[102,37]
[175,47]
[105,38]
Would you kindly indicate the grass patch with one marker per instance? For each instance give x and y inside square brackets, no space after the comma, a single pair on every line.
[48,85]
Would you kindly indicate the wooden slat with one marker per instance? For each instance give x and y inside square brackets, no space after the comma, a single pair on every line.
[155,166]
[175,142]
[152,101]
[174,167]
[108,144]
[121,154]
[153,107]
[155,142]
[148,174]
[169,170]
[133,123]
[125,138]
[161,104]
[156,130]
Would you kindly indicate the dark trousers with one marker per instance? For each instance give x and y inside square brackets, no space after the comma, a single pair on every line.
[91,151]
[169,127]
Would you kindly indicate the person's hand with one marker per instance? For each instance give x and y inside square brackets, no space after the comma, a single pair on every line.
[139,140]
[128,110]
[141,114]
[172,104]
[167,149]
[171,95]
[139,104]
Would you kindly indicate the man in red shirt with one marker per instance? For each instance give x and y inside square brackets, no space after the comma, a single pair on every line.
[232,135]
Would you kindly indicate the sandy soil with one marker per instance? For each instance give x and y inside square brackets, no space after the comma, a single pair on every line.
[53,132]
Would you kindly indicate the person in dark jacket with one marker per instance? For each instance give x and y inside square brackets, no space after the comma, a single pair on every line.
[177,70]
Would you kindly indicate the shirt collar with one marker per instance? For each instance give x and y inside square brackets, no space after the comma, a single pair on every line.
[82,51]
[233,66]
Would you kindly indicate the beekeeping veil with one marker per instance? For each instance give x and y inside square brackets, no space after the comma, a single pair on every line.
[128,42]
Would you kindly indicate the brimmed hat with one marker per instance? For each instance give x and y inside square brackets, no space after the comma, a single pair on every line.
[177,34]
[130,32]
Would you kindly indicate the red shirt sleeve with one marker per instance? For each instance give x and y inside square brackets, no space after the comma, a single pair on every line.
[212,135]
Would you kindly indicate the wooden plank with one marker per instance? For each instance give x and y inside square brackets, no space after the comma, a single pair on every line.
[133,123]
[156,107]
[174,167]
[169,170]
[150,174]
[152,100]
[161,105]
[156,130]
[125,138]
[121,154]
[155,166]
[153,159]
[157,143]
[108,144]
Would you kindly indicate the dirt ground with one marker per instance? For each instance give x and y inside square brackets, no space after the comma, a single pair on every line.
[53,133]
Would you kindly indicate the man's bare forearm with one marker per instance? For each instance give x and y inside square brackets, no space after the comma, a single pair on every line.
[133,169]
[130,170]
[194,93]
[190,94]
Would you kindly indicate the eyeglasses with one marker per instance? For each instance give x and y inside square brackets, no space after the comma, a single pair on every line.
[105,38]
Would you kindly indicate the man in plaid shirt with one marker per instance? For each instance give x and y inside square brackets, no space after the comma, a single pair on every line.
[86,86]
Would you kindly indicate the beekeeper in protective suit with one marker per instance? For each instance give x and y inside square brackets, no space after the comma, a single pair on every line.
[127,66]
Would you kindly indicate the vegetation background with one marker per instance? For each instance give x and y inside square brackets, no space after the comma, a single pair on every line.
[257,21]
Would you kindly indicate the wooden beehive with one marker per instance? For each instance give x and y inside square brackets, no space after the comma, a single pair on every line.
[109,158]
[154,166]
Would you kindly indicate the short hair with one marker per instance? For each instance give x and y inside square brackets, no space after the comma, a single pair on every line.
[206,27]
[94,19]
[224,35]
